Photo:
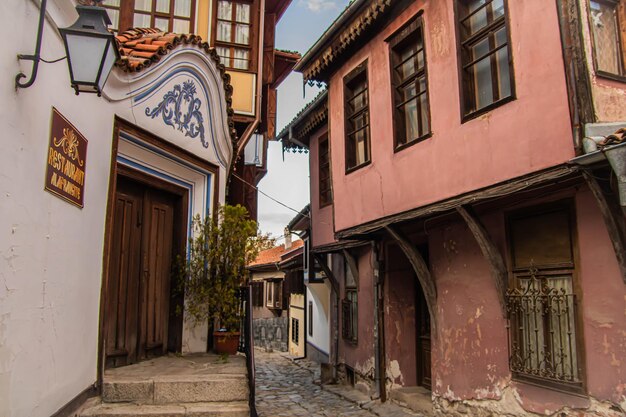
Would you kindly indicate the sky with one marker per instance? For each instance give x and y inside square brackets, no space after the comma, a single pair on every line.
[288,180]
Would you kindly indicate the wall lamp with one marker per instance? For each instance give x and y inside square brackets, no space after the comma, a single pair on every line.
[91,49]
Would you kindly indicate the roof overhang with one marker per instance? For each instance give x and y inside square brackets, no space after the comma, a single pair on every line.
[284,62]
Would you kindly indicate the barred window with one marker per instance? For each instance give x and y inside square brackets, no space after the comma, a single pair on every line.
[607,18]
[541,303]
[295,331]
[408,76]
[357,118]
[486,65]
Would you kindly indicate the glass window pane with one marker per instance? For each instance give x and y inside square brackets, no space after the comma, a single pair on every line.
[143,5]
[162,24]
[410,120]
[163,6]
[241,59]
[181,26]
[115,3]
[224,10]
[481,71]
[243,13]
[141,20]
[224,31]
[424,114]
[242,34]
[485,16]
[182,8]
[606,37]
[224,54]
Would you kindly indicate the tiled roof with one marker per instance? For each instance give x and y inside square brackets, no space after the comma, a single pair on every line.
[141,47]
[275,255]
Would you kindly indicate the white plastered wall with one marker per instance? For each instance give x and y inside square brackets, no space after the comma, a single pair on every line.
[319,295]
[50,251]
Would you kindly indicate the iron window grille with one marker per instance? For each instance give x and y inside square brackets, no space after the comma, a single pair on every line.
[606,20]
[410,84]
[357,118]
[486,64]
[349,315]
[295,331]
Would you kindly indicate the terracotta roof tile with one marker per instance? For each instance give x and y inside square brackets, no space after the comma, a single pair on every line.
[141,47]
[275,254]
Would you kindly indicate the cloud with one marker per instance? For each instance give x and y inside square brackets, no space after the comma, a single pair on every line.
[317,6]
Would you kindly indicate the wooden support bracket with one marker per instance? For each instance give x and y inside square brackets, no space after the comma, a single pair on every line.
[352,264]
[421,270]
[490,252]
[331,276]
[613,219]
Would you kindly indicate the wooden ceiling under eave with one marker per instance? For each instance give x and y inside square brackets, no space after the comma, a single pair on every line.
[277,7]
[283,65]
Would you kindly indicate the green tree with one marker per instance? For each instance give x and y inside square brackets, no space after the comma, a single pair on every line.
[219,251]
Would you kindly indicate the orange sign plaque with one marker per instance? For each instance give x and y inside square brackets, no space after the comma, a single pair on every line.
[66,161]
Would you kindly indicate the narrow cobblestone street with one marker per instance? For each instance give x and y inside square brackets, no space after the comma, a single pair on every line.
[285,388]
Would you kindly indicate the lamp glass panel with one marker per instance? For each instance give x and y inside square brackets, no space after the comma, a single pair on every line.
[109,61]
[85,55]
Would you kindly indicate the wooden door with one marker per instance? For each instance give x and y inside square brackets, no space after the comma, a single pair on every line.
[423,340]
[138,288]
[156,272]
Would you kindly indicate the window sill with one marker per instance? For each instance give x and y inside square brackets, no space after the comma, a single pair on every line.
[487,109]
[575,389]
[413,142]
[609,76]
[356,168]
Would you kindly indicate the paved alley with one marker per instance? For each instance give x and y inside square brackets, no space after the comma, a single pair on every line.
[284,388]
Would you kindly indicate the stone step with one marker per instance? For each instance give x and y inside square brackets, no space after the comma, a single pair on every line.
[229,409]
[176,389]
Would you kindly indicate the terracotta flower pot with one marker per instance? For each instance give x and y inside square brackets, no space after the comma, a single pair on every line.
[226,342]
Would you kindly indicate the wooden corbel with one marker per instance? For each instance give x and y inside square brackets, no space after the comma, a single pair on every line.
[354,268]
[421,270]
[490,252]
[613,219]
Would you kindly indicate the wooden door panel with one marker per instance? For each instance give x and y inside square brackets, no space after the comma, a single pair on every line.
[158,233]
[123,282]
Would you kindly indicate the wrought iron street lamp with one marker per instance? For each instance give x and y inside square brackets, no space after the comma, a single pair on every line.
[90,47]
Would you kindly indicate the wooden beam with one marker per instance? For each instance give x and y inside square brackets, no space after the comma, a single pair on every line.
[490,252]
[421,270]
[613,219]
[329,273]
[352,264]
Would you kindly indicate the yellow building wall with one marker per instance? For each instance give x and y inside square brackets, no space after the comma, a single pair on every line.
[244,89]
[296,311]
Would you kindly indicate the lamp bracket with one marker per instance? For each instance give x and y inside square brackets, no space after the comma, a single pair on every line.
[36,57]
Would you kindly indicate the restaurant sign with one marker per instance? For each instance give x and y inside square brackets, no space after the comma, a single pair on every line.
[66,161]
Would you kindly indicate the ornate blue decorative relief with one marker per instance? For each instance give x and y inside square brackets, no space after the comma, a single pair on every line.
[181,109]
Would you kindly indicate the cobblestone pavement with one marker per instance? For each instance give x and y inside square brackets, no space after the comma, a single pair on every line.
[287,388]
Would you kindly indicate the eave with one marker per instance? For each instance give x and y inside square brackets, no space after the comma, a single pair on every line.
[284,62]
[315,114]
[277,7]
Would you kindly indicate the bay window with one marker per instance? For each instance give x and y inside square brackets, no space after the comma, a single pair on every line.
[175,16]
[233,33]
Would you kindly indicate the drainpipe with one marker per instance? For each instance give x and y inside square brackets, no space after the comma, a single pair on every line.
[379,343]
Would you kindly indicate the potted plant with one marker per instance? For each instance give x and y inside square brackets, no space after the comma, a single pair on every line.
[214,271]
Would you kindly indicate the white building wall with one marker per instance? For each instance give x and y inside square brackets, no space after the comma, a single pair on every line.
[319,295]
[51,252]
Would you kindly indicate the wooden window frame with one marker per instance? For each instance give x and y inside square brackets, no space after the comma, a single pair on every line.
[467,90]
[350,307]
[325,192]
[274,294]
[567,206]
[127,13]
[407,34]
[251,48]
[349,115]
[258,295]
[621,39]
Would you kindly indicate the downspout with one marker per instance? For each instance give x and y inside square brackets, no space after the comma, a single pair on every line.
[379,343]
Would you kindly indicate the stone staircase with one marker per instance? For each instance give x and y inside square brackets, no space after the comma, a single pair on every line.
[198,386]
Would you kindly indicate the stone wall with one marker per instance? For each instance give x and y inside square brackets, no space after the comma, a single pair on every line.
[271,333]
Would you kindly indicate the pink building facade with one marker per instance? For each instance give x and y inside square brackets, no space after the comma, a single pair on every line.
[460,183]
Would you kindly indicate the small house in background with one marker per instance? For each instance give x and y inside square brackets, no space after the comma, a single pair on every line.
[275,275]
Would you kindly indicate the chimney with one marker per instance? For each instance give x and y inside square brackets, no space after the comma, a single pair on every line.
[287,239]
